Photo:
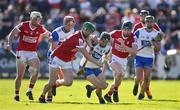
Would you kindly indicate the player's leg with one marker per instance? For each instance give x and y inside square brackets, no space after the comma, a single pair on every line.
[34,70]
[67,78]
[138,74]
[67,75]
[147,72]
[118,76]
[50,95]
[49,84]
[102,78]
[20,66]
[148,92]
[149,64]
[138,79]
[60,77]
[99,95]
[147,76]
[60,74]
[97,83]
[66,81]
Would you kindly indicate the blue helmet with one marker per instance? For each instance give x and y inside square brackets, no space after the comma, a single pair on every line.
[127,25]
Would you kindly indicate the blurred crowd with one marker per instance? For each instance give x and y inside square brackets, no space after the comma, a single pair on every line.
[107,15]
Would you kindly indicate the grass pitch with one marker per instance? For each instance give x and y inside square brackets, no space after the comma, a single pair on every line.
[166,96]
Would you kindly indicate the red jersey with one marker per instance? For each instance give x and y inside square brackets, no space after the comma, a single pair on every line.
[117,49]
[140,25]
[29,38]
[67,49]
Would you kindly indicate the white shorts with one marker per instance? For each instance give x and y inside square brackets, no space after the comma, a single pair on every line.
[26,55]
[55,62]
[121,61]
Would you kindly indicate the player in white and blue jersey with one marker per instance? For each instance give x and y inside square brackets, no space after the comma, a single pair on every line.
[58,36]
[146,40]
[92,72]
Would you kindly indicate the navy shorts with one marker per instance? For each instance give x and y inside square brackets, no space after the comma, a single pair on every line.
[143,62]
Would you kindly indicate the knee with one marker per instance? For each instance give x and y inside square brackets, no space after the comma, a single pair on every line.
[50,83]
[34,70]
[146,80]
[139,79]
[118,76]
[19,77]
[104,86]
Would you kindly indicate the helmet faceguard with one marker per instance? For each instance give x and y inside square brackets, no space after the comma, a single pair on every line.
[127,28]
[106,36]
[143,14]
[88,26]
[149,20]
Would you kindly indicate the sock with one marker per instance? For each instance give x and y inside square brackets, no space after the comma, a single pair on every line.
[17,92]
[42,96]
[110,92]
[31,85]
[116,89]
[49,97]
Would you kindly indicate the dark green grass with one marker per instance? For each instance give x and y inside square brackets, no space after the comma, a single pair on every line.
[166,96]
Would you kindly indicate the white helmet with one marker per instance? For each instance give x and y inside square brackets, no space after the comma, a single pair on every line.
[35,14]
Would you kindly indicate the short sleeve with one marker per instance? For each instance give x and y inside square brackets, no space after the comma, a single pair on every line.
[19,27]
[81,43]
[136,33]
[43,30]
[55,36]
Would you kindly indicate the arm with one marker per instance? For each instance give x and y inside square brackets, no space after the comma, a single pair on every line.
[46,35]
[156,45]
[87,56]
[54,45]
[55,40]
[12,34]
[132,50]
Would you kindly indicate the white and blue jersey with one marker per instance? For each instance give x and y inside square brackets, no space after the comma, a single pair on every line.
[144,57]
[144,37]
[58,35]
[97,54]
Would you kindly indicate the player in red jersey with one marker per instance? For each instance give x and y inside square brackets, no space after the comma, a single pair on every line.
[29,33]
[58,36]
[141,24]
[137,26]
[64,54]
[123,45]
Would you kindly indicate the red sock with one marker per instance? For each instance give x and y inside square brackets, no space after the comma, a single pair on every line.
[31,85]
[109,93]
[116,89]
[17,91]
